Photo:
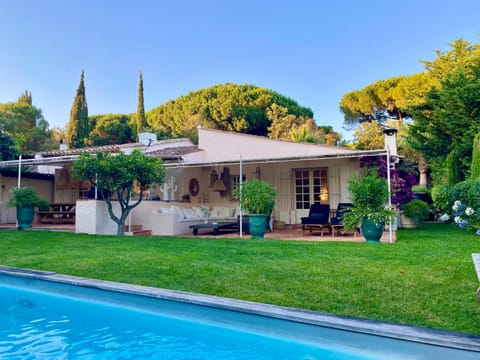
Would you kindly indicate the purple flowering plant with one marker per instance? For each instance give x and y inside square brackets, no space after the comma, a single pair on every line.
[402,177]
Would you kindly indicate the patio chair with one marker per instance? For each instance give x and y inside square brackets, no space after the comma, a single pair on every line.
[336,221]
[318,217]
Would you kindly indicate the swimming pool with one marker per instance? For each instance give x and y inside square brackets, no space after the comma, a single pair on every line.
[46,315]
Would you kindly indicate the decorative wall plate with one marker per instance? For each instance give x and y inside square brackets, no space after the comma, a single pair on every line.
[193,187]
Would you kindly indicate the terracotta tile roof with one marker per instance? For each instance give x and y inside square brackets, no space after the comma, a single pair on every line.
[92,149]
[174,151]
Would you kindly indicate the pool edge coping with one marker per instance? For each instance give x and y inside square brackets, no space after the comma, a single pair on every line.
[437,337]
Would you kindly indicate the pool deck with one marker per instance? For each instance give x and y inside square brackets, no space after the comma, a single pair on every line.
[289,233]
[445,339]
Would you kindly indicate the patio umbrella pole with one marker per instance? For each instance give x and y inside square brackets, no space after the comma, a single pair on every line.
[19,180]
[389,195]
[240,202]
[19,170]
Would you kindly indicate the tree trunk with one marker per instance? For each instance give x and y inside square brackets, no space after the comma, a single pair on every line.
[120,229]
[422,169]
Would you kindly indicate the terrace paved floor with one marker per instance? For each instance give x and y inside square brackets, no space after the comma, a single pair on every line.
[290,233]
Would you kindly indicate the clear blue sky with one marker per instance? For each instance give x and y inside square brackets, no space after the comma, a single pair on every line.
[311,51]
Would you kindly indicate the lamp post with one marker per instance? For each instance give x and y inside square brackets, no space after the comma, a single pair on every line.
[391,147]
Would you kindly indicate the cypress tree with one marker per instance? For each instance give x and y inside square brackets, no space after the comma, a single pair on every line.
[141,120]
[26,98]
[475,167]
[453,175]
[77,128]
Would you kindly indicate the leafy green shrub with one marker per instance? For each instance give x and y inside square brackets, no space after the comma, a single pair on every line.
[468,192]
[464,200]
[416,209]
[369,197]
[257,197]
[440,198]
[26,197]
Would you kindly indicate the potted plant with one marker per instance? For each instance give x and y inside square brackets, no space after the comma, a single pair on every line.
[413,213]
[186,198]
[25,199]
[369,194]
[257,198]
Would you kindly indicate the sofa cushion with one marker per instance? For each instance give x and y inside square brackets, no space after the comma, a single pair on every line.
[190,214]
[223,212]
[179,211]
[165,210]
[199,211]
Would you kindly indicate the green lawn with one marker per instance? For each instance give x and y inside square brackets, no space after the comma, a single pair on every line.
[426,278]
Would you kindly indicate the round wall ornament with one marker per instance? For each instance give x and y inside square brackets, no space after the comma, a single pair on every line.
[193,187]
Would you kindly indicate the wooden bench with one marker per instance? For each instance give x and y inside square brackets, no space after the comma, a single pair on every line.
[476,263]
[57,214]
[312,227]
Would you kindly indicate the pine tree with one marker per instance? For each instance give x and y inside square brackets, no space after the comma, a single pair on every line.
[141,120]
[77,128]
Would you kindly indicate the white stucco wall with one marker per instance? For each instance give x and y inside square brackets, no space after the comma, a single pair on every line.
[44,189]
[91,217]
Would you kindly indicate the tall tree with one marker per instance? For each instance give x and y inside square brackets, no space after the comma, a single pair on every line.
[116,175]
[141,120]
[8,150]
[231,107]
[26,98]
[448,121]
[77,128]
[25,124]
[405,97]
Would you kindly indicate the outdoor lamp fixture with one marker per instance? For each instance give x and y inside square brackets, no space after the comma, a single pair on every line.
[390,132]
[219,185]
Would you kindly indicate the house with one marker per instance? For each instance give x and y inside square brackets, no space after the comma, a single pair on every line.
[302,173]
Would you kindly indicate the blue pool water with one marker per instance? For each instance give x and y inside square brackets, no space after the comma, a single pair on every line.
[40,320]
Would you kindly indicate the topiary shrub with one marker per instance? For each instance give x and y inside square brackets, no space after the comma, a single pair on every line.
[416,209]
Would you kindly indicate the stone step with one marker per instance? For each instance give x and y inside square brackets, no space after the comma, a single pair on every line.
[134,228]
[137,230]
[142,233]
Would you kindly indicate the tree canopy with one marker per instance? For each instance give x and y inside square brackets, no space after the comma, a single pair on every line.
[231,107]
[8,150]
[116,175]
[298,128]
[25,125]
[110,129]
[440,101]
[447,122]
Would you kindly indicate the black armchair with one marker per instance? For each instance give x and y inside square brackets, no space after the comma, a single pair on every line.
[336,221]
[318,217]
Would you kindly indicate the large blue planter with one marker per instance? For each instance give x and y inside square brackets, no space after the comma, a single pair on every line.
[257,225]
[372,232]
[25,217]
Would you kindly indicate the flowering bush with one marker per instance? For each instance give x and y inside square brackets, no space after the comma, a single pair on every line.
[402,177]
[463,216]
